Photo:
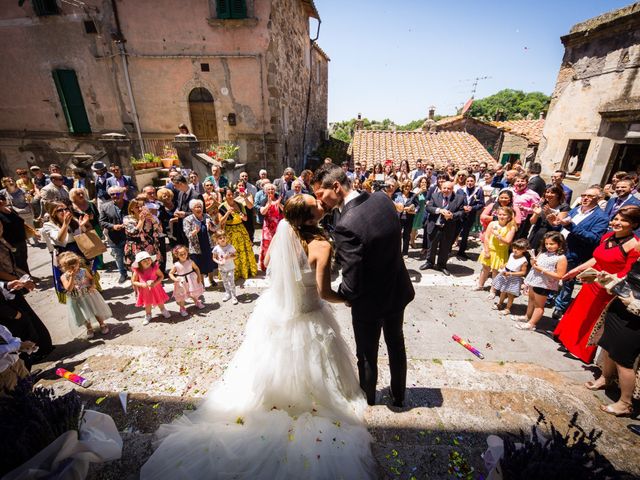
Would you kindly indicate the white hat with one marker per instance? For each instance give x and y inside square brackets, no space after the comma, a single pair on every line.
[139,257]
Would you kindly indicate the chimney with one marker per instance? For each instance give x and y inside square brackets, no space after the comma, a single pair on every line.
[432,112]
[359,122]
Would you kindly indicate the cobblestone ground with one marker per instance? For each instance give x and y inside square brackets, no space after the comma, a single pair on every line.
[454,400]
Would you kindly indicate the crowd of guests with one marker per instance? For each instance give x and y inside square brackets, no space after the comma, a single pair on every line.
[533,240]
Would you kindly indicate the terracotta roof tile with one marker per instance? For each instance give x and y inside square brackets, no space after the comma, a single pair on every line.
[376,146]
[529,129]
[448,120]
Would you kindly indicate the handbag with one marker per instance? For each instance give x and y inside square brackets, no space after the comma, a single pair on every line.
[630,285]
[90,244]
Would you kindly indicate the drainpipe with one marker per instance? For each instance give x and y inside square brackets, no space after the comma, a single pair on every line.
[120,40]
[306,116]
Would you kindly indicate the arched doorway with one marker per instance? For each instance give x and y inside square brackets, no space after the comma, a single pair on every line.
[203,115]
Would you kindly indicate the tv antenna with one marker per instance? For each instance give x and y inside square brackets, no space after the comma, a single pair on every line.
[474,85]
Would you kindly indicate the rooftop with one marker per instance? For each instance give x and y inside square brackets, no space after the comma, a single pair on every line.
[441,148]
[529,129]
[605,18]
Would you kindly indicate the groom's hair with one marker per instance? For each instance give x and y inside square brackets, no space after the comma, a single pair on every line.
[328,174]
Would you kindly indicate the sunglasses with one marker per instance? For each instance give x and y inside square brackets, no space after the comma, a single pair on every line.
[115,194]
[62,210]
[56,179]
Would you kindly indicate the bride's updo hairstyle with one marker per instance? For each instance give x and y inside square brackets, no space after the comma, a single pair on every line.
[297,212]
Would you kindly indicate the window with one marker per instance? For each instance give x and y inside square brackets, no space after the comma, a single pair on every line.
[204,67]
[231,8]
[509,158]
[71,101]
[45,7]
[90,26]
[574,157]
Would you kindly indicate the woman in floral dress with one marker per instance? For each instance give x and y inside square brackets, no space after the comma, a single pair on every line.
[238,237]
[142,229]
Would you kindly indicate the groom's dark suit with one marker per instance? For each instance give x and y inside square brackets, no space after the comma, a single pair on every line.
[376,283]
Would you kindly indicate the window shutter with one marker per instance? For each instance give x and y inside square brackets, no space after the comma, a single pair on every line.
[223,8]
[238,8]
[45,7]
[71,101]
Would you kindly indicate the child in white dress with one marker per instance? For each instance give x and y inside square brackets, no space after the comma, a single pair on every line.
[223,255]
[86,305]
[509,280]
[187,279]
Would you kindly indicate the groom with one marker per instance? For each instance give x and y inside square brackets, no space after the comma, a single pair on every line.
[375,281]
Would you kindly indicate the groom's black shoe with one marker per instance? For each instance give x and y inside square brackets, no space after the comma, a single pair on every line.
[426,266]
[394,401]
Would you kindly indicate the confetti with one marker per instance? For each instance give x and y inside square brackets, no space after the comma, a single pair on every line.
[240,421]
[100,400]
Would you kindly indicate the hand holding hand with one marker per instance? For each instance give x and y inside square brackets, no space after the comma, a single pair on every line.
[627,300]
[27,345]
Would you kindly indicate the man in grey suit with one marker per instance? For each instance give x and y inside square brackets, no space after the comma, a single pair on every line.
[375,281]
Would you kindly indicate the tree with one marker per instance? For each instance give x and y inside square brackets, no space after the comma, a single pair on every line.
[511,104]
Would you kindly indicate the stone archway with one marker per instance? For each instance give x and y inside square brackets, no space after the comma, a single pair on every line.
[203,115]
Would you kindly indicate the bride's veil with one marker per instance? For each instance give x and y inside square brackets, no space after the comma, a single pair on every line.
[288,262]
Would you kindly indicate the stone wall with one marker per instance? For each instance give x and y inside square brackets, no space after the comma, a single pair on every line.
[489,136]
[598,73]
[514,144]
[258,70]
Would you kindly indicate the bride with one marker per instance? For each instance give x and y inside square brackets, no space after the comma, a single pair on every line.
[289,404]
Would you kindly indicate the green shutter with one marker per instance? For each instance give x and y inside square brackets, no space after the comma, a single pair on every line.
[238,8]
[223,8]
[45,7]
[505,158]
[71,101]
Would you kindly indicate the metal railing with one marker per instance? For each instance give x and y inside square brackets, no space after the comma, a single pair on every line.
[156,145]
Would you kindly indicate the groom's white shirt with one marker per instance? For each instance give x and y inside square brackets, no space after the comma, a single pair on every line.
[352,194]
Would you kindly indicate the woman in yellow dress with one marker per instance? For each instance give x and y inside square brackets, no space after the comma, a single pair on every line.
[495,246]
[245,260]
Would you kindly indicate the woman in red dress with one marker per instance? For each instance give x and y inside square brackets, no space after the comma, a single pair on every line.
[615,254]
[272,213]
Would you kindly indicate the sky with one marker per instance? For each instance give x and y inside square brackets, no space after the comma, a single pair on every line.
[393,59]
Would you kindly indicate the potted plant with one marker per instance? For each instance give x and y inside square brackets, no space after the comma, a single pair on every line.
[169,157]
[136,163]
[223,151]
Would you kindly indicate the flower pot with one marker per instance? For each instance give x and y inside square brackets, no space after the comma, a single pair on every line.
[167,162]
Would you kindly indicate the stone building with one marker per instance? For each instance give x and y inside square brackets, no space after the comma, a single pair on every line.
[593,126]
[245,71]
[520,140]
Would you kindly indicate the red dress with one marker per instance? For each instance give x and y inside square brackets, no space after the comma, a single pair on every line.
[576,325]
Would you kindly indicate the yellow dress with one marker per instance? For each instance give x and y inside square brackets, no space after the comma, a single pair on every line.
[499,251]
[245,260]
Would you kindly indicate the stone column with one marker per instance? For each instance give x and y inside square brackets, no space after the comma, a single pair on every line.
[186,146]
[119,151]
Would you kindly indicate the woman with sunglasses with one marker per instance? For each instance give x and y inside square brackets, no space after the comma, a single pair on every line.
[80,205]
[59,233]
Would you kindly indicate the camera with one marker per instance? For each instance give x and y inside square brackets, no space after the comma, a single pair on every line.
[378,182]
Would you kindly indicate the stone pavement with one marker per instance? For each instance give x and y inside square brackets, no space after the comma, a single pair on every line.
[454,400]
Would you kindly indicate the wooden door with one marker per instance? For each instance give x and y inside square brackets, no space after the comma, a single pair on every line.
[203,115]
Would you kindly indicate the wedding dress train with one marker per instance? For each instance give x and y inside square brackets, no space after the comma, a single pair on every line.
[289,404]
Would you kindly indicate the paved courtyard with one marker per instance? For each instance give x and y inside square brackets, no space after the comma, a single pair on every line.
[454,399]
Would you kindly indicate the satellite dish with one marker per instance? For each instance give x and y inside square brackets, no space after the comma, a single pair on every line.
[572,164]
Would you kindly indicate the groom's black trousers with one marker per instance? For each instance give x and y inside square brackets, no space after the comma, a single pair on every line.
[367,335]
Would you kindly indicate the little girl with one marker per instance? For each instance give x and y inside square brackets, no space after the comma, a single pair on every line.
[546,271]
[223,255]
[509,280]
[495,246]
[86,305]
[187,279]
[146,281]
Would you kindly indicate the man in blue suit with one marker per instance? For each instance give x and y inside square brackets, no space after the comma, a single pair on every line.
[623,198]
[585,225]
[557,179]
[120,180]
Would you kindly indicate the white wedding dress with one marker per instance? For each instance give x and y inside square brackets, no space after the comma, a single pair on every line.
[289,405]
